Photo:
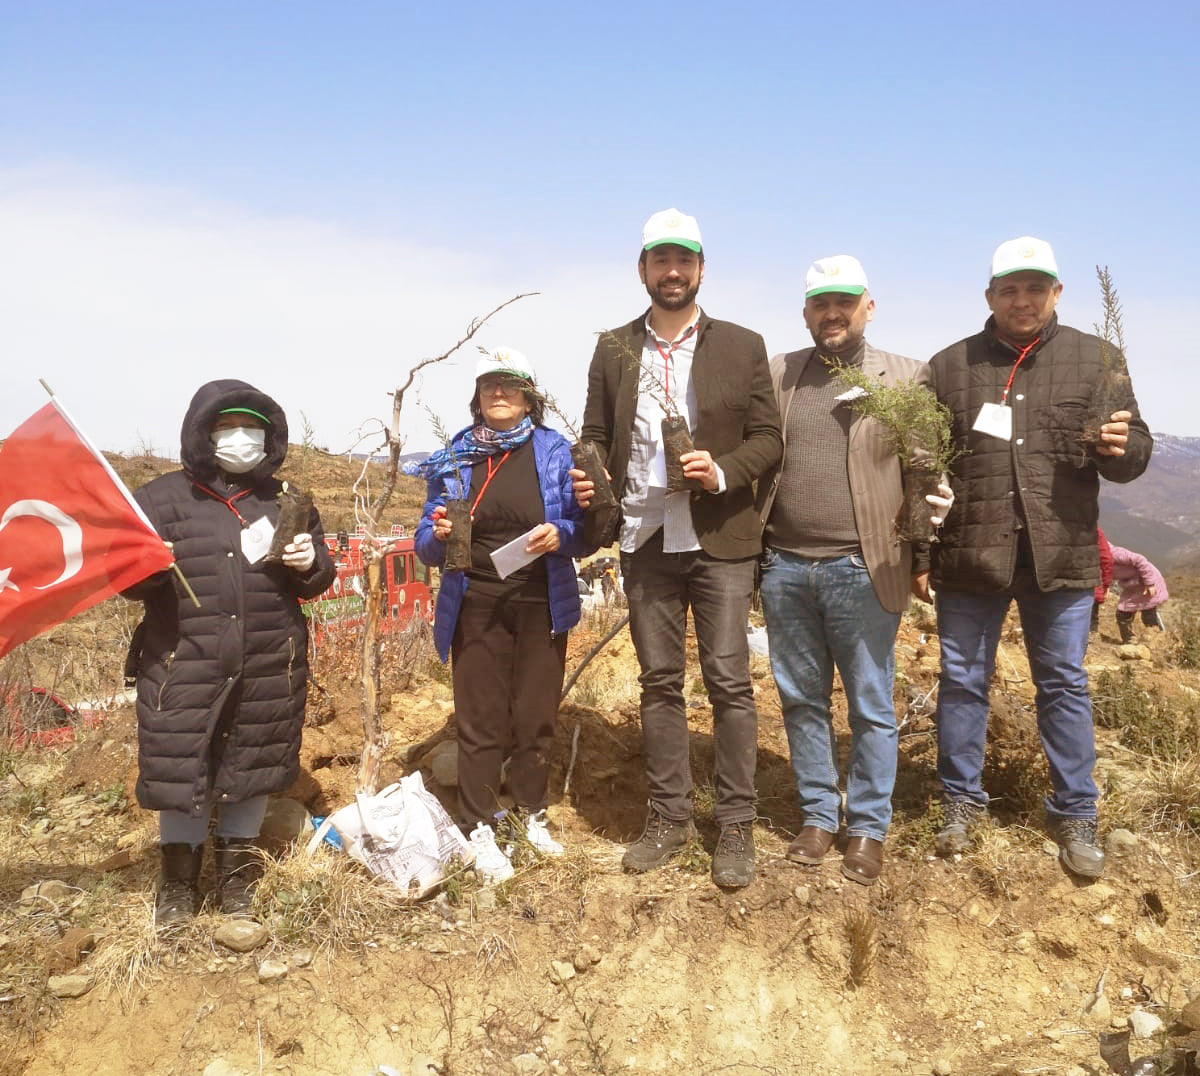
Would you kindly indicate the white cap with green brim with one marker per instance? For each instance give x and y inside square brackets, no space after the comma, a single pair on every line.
[505,360]
[671,226]
[839,273]
[1016,255]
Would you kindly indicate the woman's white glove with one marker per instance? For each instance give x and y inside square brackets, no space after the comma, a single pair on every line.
[941,503]
[299,554]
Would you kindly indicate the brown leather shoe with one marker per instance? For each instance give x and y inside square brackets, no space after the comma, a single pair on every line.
[863,860]
[810,845]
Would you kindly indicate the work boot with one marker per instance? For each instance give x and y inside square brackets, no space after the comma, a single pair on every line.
[661,838]
[1078,849]
[1125,627]
[733,860]
[961,818]
[239,867]
[178,889]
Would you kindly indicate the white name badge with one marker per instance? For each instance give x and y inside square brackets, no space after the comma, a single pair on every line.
[995,420]
[256,540]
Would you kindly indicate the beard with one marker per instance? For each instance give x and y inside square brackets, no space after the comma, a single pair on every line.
[677,301]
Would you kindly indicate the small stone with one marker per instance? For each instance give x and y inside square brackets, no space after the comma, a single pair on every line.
[301,958]
[50,893]
[241,935]
[1134,652]
[561,971]
[221,1067]
[1120,842]
[1189,1015]
[587,957]
[1145,1025]
[1098,1011]
[942,1067]
[443,764]
[69,986]
[70,949]
[286,821]
[529,1065]
[803,894]
[272,971]
[1053,1034]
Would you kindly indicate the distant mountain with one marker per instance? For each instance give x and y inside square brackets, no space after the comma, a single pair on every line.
[1159,513]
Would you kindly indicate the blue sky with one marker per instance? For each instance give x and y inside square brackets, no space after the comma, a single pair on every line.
[313,197]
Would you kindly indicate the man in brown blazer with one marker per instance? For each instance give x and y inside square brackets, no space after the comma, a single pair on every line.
[835,575]
[695,548]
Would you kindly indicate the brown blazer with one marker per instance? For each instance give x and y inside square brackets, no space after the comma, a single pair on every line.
[737,421]
[876,491]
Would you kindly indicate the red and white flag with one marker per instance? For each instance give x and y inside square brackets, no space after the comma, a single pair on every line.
[70,533]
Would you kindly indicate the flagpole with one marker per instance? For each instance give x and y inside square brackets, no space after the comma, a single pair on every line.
[119,484]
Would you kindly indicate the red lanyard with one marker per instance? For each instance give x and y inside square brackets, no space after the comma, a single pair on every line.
[1013,372]
[671,351]
[227,502]
[491,473]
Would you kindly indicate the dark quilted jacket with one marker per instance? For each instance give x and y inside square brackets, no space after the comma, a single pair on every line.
[1043,476]
[221,689]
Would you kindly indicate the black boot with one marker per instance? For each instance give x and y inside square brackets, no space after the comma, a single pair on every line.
[178,889]
[1125,626]
[239,867]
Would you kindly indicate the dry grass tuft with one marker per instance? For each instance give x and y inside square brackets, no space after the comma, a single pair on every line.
[862,939]
[606,688]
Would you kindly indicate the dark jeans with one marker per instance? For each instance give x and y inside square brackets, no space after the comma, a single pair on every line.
[660,587]
[508,676]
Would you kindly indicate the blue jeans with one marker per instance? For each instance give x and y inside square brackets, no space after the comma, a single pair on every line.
[234,820]
[660,588]
[1056,635]
[822,613]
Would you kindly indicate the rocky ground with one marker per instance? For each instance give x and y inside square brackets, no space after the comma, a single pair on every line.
[995,963]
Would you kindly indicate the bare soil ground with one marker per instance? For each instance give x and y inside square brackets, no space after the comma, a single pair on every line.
[983,965]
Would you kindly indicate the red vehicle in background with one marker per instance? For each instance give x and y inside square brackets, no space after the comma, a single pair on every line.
[405,583]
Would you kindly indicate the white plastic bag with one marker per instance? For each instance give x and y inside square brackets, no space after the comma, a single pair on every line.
[402,833]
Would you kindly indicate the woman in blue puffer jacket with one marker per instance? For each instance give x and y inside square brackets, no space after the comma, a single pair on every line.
[506,637]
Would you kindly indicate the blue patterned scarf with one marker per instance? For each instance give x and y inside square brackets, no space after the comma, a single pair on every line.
[477,443]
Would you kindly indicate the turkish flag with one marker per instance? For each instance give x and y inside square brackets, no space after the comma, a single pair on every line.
[70,533]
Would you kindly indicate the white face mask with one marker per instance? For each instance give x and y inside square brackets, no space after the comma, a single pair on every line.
[240,449]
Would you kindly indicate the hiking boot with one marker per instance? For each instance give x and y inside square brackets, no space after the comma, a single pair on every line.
[178,897]
[661,838]
[733,860]
[1078,849]
[491,864]
[961,818]
[239,867]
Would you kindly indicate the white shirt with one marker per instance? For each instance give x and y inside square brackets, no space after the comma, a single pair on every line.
[646,504]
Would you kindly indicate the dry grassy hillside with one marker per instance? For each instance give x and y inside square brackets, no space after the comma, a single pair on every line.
[994,963]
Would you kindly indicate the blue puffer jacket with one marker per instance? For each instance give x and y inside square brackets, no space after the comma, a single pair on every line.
[552,459]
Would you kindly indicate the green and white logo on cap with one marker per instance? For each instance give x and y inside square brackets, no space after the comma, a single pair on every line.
[841,273]
[1024,253]
[671,226]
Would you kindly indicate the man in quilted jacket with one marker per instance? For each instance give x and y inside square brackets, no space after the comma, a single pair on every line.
[1036,431]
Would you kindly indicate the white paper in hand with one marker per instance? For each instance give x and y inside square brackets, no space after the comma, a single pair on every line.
[508,558]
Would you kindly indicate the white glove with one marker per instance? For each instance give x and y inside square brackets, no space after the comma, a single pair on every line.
[299,554]
[941,504]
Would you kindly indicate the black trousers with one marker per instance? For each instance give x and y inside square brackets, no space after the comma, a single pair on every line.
[508,676]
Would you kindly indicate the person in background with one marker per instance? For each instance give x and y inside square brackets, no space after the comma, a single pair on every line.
[221,688]
[505,636]
[1143,590]
[1106,578]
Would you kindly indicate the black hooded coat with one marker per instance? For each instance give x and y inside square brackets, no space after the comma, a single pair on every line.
[221,689]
